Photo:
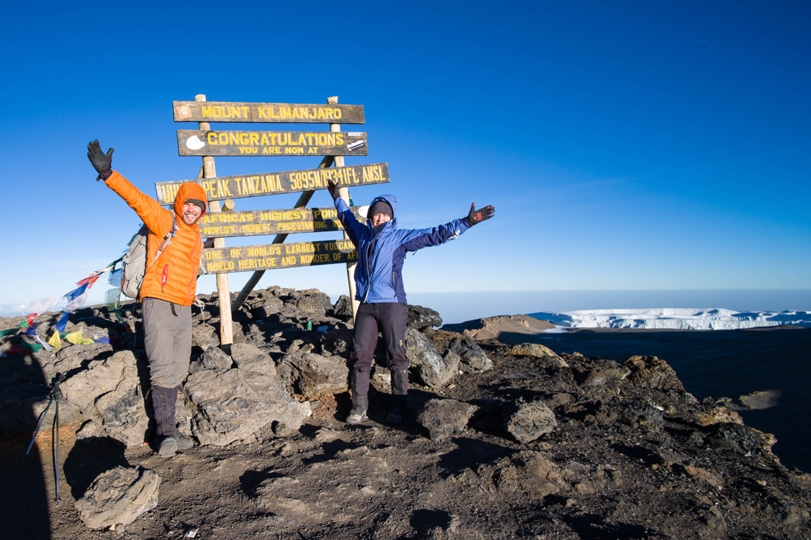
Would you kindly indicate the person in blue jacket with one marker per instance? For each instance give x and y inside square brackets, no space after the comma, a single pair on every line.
[379,281]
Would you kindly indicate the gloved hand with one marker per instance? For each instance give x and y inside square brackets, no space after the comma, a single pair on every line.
[333,189]
[477,216]
[101,162]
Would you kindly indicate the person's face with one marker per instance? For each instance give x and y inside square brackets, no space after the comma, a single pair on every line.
[380,219]
[191,213]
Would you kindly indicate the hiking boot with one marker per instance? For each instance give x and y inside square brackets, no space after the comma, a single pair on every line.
[168,447]
[397,409]
[358,413]
[399,389]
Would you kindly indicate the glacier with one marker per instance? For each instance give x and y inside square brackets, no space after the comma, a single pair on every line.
[674,319]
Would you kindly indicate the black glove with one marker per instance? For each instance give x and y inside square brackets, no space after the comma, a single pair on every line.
[101,162]
[477,216]
[333,189]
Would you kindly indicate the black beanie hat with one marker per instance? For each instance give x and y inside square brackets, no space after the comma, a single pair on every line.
[381,207]
[198,203]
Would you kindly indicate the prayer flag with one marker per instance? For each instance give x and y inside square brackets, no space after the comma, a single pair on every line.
[77,338]
[63,322]
[55,341]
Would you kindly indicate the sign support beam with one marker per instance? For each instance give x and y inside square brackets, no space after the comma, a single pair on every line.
[343,192]
[223,292]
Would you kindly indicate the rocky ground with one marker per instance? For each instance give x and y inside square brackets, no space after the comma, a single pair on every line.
[501,440]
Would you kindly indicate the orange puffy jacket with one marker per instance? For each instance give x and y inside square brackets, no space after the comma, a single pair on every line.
[174,277]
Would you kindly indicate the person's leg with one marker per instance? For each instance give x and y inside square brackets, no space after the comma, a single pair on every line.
[161,326]
[182,355]
[182,345]
[393,319]
[364,341]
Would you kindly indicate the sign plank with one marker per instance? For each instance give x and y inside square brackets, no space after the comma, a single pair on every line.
[237,187]
[286,113]
[273,256]
[193,142]
[259,222]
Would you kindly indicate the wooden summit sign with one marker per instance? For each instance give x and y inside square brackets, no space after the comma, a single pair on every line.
[195,142]
[268,257]
[260,222]
[332,145]
[286,113]
[257,185]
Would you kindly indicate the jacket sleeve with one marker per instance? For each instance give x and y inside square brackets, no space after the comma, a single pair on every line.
[415,239]
[354,228]
[156,218]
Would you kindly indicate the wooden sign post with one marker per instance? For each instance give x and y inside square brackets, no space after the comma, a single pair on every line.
[218,225]
[223,292]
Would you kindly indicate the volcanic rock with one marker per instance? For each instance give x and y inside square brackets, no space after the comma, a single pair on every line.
[118,497]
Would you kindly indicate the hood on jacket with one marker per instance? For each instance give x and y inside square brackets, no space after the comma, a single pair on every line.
[391,200]
[189,190]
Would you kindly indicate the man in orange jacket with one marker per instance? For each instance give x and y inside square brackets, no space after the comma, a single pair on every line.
[168,289]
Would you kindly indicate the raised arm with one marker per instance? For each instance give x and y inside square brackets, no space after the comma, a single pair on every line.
[418,239]
[155,217]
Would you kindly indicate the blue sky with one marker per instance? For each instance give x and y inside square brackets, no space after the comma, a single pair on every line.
[625,145]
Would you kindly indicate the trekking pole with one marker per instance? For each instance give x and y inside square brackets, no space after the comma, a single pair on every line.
[55,393]
[56,450]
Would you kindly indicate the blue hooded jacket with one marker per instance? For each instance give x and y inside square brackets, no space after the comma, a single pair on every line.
[379,273]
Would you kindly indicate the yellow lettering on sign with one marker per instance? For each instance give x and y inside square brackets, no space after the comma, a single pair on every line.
[167,192]
[217,112]
[219,266]
[372,173]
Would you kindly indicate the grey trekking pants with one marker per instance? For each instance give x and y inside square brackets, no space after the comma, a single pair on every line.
[167,338]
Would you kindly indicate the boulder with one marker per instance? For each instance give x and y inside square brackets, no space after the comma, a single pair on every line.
[249,357]
[270,305]
[213,358]
[122,411]
[531,349]
[528,421]
[442,418]
[233,405]
[343,307]
[204,336]
[641,412]
[471,357]
[433,370]
[718,415]
[422,319]
[99,378]
[317,375]
[740,438]
[76,357]
[118,497]
[651,372]
[312,301]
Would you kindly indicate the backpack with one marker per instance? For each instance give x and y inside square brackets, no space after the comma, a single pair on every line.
[133,264]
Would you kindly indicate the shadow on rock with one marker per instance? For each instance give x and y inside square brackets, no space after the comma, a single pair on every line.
[331,449]
[593,527]
[471,453]
[88,459]
[250,480]
[426,521]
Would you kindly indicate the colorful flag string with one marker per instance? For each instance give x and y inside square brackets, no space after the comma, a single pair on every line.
[75,299]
